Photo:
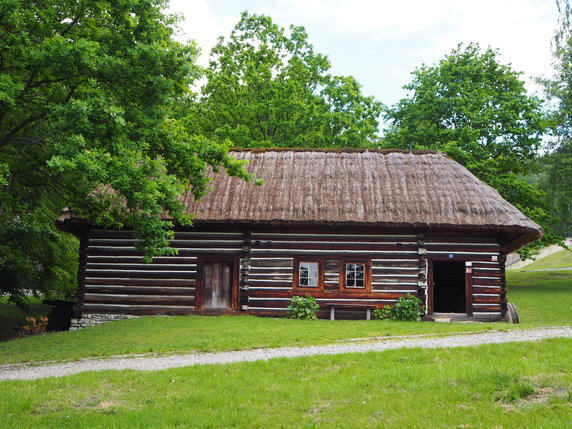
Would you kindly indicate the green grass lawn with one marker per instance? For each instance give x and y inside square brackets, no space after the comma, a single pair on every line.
[518,385]
[561,259]
[542,299]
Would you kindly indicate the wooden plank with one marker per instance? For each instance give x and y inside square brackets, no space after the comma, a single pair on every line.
[484,281]
[139,282]
[160,260]
[478,308]
[91,298]
[326,236]
[271,262]
[140,267]
[486,289]
[269,283]
[139,290]
[492,299]
[141,274]
[137,310]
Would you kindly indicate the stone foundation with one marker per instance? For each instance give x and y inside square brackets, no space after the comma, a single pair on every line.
[97,319]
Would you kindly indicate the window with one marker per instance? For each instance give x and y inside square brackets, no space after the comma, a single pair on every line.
[319,273]
[355,276]
[308,274]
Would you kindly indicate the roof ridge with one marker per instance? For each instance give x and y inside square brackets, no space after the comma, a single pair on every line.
[337,150]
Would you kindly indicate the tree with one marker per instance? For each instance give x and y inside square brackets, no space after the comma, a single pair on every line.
[556,177]
[88,121]
[269,88]
[476,110]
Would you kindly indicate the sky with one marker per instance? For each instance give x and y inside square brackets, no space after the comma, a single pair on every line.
[380,42]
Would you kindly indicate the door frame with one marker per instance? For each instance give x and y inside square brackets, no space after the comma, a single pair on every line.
[468,283]
[199,289]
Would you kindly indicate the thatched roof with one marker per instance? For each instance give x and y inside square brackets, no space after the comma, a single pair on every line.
[412,190]
[361,187]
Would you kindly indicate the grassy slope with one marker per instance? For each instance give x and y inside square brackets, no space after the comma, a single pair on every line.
[503,386]
[561,259]
[541,298]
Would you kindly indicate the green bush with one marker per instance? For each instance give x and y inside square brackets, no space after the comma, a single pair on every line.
[409,308]
[303,308]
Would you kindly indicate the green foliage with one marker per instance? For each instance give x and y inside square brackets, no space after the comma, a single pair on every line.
[477,111]
[303,308]
[409,308]
[268,88]
[556,165]
[91,119]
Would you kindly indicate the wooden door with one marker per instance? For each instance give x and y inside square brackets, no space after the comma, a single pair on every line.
[217,286]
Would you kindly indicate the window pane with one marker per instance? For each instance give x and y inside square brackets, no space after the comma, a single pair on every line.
[308,274]
[355,274]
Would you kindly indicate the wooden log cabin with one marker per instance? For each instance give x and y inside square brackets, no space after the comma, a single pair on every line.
[356,229]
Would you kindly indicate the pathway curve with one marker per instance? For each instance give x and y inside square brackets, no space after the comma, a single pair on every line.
[28,372]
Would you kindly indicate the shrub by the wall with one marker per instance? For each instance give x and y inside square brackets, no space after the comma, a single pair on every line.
[409,308]
[303,308]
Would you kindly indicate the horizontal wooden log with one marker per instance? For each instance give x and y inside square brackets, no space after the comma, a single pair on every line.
[262,283]
[126,251]
[340,253]
[486,299]
[390,288]
[177,244]
[141,274]
[136,310]
[459,239]
[271,262]
[334,246]
[486,273]
[486,307]
[172,260]
[140,282]
[333,237]
[473,256]
[268,276]
[140,290]
[383,269]
[99,233]
[462,247]
[485,289]
[90,298]
[141,267]
[483,281]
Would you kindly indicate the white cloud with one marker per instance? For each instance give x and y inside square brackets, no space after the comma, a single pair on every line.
[201,25]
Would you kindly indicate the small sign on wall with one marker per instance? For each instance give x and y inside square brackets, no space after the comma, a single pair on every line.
[494,258]
[468,270]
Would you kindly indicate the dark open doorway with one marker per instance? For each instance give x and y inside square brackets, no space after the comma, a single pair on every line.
[449,287]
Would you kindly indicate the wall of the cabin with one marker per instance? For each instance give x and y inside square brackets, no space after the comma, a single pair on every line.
[114,279]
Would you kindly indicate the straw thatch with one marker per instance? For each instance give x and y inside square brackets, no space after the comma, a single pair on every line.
[361,187]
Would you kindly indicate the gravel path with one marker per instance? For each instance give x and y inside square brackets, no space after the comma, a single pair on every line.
[27,372]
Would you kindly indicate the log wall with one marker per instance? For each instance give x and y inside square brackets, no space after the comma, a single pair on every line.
[484,259]
[116,280]
[268,287]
